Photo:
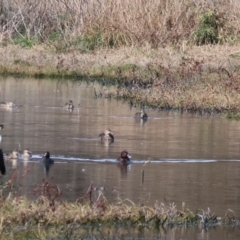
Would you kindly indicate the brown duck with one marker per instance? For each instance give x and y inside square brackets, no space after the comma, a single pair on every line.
[125,157]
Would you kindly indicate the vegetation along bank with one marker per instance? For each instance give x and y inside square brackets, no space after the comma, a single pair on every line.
[47,216]
[162,54]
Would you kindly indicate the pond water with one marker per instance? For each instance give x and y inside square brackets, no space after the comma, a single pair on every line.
[185,158]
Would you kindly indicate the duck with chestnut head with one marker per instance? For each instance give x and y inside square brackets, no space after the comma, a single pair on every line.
[124,157]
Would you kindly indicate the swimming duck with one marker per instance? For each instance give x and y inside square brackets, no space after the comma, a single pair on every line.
[7,105]
[1,127]
[46,155]
[141,114]
[14,155]
[27,154]
[125,157]
[2,164]
[47,162]
[69,105]
[107,135]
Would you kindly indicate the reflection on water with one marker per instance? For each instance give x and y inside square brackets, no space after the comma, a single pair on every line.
[185,158]
[141,233]
[47,162]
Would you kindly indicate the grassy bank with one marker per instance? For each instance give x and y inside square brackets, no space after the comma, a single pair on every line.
[163,54]
[190,78]
[20,216]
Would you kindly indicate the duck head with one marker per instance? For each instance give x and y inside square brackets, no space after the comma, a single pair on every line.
[125,157]
[46,155]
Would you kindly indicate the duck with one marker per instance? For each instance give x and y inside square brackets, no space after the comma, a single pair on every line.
[1,127]
[47,162]
[46,157]
[27,154]
[124,157]
[69,105]
[141,115]
[2,164]
[107,136]
[14,155]
[8,105]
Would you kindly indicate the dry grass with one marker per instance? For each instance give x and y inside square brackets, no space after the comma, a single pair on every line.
[89,24]
[107,62]
[197,78]
[48,217]
[191,86]
[47,211]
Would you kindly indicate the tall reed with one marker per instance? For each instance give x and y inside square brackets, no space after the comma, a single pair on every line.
[115,22]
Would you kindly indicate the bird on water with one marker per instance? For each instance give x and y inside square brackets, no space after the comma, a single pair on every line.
[142,114]
[2,164]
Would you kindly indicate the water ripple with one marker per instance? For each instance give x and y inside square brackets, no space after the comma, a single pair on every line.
[136,161]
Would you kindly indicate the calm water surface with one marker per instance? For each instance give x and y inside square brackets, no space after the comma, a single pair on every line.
[185,158]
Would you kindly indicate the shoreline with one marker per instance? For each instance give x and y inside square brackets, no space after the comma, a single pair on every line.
[41,59]
[47,211]
[201,79]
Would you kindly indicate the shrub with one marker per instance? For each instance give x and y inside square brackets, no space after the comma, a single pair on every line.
[209,28]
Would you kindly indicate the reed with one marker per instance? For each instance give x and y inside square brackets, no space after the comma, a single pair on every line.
[48,216]
[21,212]
[46,210]
[87,25]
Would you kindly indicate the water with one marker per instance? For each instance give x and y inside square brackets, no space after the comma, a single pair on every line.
[185,158]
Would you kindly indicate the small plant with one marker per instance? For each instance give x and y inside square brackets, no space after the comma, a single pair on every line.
[55,35]
[49,191]
[95,39]
[89,42]
[208,31]
[233,115]
[24,41]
